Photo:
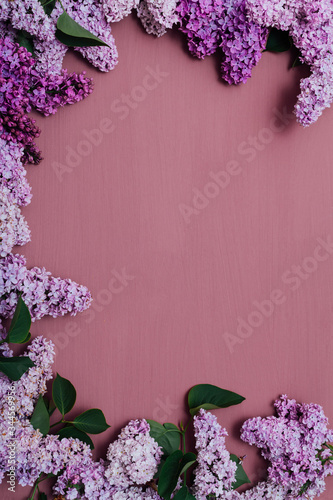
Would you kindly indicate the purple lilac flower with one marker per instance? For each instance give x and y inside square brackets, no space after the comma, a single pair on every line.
[134,457]
[215,472]
[209,24]
[48,93]
[42,293]
[13,227]
[266,490]
[292,442]
[310,24]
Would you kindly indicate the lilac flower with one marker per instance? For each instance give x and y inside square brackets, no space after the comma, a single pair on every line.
[266,490]
[42,293]
[50,92]
[27,15]
[13,227]
[12,173]
[32,383]
[292,442]
[215,472]
[310,24]
[134,456]
[158,15]
[90,15]
[210,24]
[115,10]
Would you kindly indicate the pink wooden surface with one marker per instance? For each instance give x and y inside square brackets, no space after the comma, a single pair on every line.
[150,338]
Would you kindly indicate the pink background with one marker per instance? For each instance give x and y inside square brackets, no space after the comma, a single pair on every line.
[141,349]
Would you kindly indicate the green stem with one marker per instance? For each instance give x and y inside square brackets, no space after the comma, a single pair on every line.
[57,423]
[35,489]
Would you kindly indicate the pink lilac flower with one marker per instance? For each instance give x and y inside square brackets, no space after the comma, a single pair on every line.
[310,24]
[215,472]
[12,173]
[13,227]
[134,457]
[49,56]
[42,293]
[158,15]
[115,10]
[27,15]
[266,490]
[209,24]
[32,383]
[292,442]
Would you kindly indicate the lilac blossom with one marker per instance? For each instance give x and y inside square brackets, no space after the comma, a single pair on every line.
[33,381]
[13,227]
[292,442]
[134,456]
[42,293]
[209,24]
[12,173]
[158,15]
[310,24]
[215,472]
[115,10]
[27,15]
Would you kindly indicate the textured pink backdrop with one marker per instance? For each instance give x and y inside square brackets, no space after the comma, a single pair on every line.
[148,340]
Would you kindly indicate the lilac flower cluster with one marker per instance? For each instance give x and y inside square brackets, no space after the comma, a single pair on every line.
[48,93]
[157,16]
[294,443]
[27,15]
[12,173]
[215,472]
[134,457]
[13,227]
[310,24]
[209,24]
[42,293]
[32,383]
[15,126]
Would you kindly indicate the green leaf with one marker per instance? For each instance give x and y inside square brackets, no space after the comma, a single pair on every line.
[187,461]
[15,367]
[40,418]
[50,406]
[70,33]
[211,397]
[278,41]
[183,494]
[91,421]
[71,431]
[166,435]
[48,6]
[42,496]
[20,325]
[24,39]
[169,474]
[63,394]
[241,476]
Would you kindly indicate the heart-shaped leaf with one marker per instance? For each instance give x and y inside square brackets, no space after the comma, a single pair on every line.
[241,476]
[70,33]
[91,421]
[15,367]
[166,435]
[63,394]
[169,474]
[73,432]
[211,397]
[40,418]
[20,325]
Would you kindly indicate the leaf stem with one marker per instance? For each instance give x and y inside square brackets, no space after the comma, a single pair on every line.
[57,423]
